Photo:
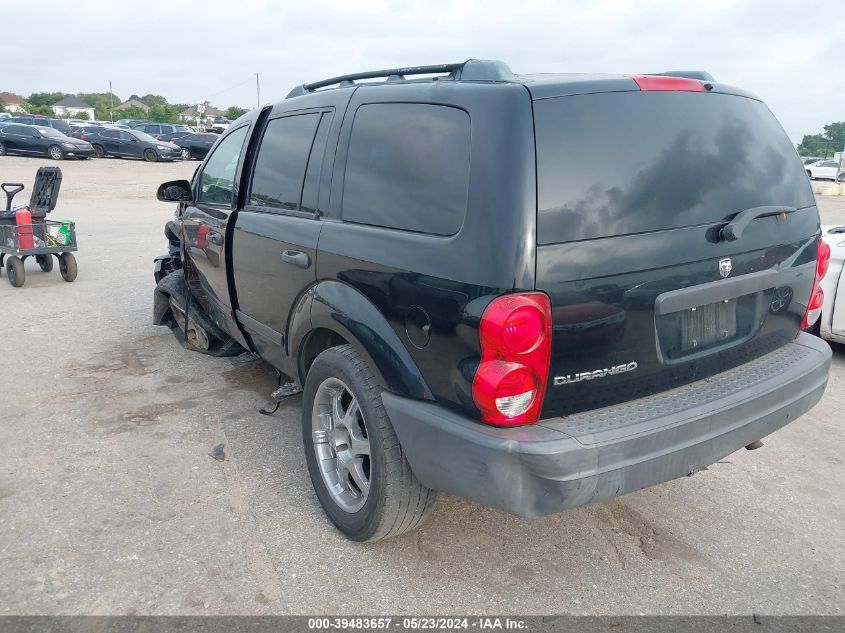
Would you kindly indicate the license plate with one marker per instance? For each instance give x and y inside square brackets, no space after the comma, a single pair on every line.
[708,325]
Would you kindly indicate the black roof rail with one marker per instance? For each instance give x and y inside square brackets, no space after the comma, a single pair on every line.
[701,75]
[470,70]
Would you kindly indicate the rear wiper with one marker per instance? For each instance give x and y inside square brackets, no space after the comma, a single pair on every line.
[732,231]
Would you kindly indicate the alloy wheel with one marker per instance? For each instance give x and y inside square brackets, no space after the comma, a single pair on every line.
[341,444]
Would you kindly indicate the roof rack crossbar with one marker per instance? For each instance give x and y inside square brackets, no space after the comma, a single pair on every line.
[472,69]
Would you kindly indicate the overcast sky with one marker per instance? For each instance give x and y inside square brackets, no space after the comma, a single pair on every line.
[790,53]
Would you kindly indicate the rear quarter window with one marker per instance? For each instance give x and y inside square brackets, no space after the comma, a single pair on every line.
[408,167]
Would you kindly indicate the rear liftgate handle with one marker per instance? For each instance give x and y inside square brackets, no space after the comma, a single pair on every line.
[296,258]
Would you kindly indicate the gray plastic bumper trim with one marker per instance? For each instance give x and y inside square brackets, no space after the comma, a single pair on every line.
[565,462]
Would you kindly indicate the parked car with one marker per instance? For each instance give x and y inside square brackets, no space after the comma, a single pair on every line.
[196,145]
[57,124]
[4,116]
[131,144]
[421,257]
[158,129]
[16,138]
[823,169]
[831,324]
[83,131]
[174,136]
[128,123]
[219,125]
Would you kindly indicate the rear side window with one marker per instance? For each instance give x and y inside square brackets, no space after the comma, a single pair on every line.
[631,162]
[408,167]
[280,165]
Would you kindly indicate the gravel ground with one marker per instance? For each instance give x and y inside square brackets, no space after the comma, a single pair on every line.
[111,504]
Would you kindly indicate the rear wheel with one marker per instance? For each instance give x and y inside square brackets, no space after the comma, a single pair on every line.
[15,271]
[186,154]
[67,266]
[357,467]
[150,155]
[2,149]
[55,152]
[99,152]
[45,261]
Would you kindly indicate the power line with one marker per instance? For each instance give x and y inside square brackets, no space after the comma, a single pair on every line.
[207,97]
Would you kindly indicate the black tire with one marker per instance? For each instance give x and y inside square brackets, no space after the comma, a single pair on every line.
[396,501]
[45,261]
[67,266]
[809,174]
[150,156]
[99,151]
[2,149]
[15,271]
[186,154]
[55,152]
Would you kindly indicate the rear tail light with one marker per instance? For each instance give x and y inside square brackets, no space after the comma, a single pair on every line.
[84,137]
[663,84]
[516,339]
[814,306]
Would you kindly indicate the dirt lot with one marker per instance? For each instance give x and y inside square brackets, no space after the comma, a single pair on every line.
[111,504]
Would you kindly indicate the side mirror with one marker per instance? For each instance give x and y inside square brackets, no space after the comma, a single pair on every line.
[175,191]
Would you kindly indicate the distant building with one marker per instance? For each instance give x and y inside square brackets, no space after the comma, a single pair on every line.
[191,114]
[133,103]
[12,102]
[72,106]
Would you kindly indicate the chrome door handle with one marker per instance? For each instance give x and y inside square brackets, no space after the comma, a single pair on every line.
[296,258]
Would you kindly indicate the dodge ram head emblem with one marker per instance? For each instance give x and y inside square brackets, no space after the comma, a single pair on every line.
[725,266]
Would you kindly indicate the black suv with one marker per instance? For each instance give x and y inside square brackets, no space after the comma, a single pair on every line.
[535,291]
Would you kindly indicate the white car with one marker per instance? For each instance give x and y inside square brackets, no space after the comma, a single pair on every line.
[832,321]
[827,169]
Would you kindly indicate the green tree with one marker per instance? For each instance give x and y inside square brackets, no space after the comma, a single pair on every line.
[234,112]
[45,98]
[2,106]
[163,113]
[128,113]
[836,133]
[40,109]
[152,100]
[833,140]
[82,116]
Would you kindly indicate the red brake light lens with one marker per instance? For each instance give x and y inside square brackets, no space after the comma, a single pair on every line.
[662,83]
[515,336]
[814,305]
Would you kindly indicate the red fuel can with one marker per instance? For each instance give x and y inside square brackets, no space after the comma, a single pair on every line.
[23,220]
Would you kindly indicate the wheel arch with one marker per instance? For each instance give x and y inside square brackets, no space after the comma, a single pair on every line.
[337,313]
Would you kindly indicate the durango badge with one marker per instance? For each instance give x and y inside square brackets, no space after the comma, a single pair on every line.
[598,373]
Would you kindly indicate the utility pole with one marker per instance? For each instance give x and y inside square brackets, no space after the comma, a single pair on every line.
[257,91]
[111,103]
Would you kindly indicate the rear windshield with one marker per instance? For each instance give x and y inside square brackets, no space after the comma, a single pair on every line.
[632,162]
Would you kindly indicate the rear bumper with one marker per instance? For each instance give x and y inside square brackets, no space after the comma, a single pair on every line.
[567,462]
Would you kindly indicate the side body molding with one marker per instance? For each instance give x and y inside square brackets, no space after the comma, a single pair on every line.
[342,309]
